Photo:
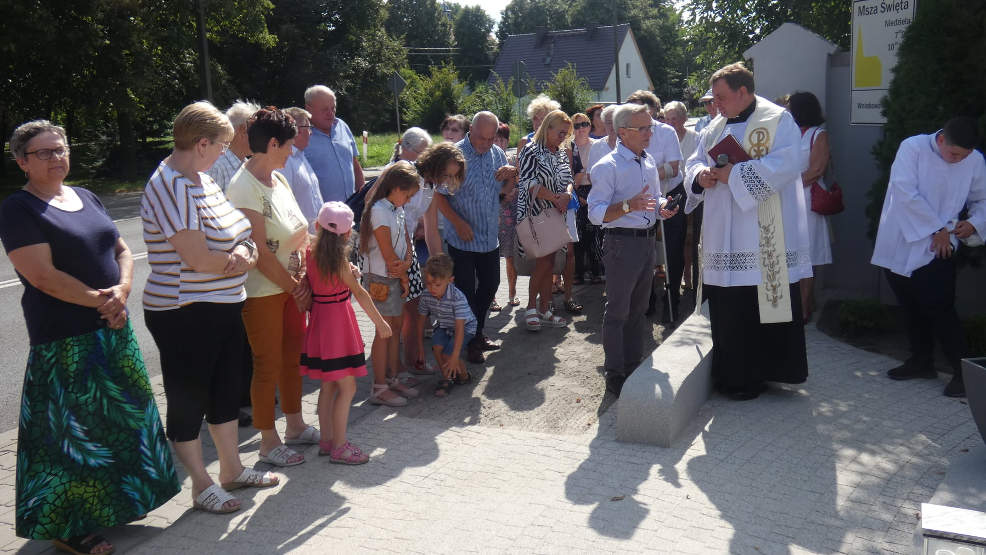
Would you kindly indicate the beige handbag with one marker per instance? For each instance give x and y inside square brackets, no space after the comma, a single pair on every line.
[543,234]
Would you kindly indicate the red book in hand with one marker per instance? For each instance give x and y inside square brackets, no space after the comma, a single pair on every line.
[731,148]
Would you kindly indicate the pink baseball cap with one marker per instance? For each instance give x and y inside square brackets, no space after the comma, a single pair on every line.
[336,217]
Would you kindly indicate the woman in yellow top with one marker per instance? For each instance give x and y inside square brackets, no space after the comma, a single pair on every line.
[277,291]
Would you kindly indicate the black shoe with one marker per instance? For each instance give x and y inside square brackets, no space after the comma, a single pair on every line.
[614,384]
[245,419]
[908,372]
[747,393]
[474,354]
[955,387]
[484,343]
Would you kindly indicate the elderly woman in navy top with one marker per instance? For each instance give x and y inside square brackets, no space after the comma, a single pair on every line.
[87,410]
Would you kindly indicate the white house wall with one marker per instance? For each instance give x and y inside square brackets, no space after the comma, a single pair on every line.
[790,59]
[638,78]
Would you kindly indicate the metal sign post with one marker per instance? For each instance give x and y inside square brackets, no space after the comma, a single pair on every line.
[396,83]
[519,89]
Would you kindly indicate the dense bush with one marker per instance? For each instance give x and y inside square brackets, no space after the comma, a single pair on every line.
[498,98]
[427,99]
[863,316]
[570,90]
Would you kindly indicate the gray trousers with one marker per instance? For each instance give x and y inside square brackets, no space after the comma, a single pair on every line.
[629,263]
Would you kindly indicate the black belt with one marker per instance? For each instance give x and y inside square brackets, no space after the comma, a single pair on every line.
[338,297]
[649,232]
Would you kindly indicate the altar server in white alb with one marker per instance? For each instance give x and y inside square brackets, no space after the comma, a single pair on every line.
[755,239]
[932,179]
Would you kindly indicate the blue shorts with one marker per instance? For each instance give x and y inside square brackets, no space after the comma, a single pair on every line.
[445,339]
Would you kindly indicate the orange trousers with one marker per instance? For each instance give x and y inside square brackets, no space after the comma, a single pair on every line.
[276,331]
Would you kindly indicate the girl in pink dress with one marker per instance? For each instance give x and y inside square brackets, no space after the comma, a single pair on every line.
[333,351]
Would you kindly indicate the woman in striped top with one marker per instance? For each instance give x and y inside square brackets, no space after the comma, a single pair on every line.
[199,249]
[544,183]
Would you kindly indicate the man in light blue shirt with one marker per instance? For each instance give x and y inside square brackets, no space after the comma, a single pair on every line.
[332,150]
[299,173]
[472,221]
[624,201]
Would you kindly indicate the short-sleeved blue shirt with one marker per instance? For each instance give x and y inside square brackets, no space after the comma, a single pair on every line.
[331,156]
[83,245]
[478,200]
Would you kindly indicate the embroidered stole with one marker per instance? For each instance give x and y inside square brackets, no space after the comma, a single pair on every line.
[773,291]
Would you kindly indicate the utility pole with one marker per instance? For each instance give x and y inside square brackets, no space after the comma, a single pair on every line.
[616,55]
[205,76]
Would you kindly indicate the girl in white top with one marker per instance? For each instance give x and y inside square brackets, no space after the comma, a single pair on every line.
[386,249]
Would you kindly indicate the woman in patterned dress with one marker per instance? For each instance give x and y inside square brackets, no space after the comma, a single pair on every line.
[544,182]
[91,451]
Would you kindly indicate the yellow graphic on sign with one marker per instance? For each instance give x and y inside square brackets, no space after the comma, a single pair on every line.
[869,70]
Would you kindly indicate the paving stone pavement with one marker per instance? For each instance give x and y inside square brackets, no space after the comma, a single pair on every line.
[839,464]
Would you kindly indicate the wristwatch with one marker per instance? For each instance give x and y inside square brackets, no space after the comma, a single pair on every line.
[626,207]
[249,244]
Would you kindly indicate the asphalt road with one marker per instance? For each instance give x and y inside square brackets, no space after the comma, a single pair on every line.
[14,346]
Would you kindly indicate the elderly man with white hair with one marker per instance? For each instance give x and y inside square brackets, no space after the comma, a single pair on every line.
[472,223]
[239,147]
[299,173]
[625,200]
[332,149]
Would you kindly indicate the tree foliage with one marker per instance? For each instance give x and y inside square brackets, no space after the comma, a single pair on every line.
[569,90]
[933,81]
[427,99]
[420,24]
[497,98]
[473,38]
[119,70]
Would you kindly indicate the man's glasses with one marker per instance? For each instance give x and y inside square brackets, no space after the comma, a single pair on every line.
[47,153]
[642,129]
[581,125]
[707,102]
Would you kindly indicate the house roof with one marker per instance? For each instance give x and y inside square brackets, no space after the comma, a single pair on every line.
[787,35]
[589,50]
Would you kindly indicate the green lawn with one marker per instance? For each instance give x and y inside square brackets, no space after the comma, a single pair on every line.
[380,148]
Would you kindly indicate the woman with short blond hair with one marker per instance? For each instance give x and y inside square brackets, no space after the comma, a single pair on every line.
[544,183]
[199,250]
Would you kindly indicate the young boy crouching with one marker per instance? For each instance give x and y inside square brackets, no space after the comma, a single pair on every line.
[456,322]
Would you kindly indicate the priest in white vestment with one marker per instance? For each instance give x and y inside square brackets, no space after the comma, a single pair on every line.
[754,239]
[933,178]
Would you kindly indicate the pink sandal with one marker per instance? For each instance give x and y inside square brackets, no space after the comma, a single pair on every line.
[347,453]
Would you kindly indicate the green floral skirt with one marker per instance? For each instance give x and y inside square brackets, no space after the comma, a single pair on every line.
[91,451]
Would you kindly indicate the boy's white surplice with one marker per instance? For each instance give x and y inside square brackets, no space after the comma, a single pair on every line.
[925,194]
[731,227]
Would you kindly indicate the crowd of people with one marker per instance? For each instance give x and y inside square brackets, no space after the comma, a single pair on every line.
[251,225]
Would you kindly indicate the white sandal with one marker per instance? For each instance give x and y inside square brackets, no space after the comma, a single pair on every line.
[532,319]
[281,456]
[251,478]
[213,500]
[379,389]
[552,320]
[405,390]
[309,436]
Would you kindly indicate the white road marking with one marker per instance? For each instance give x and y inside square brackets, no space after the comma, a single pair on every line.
[139,256]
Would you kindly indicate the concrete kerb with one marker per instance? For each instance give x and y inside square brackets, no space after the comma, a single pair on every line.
[666,391]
